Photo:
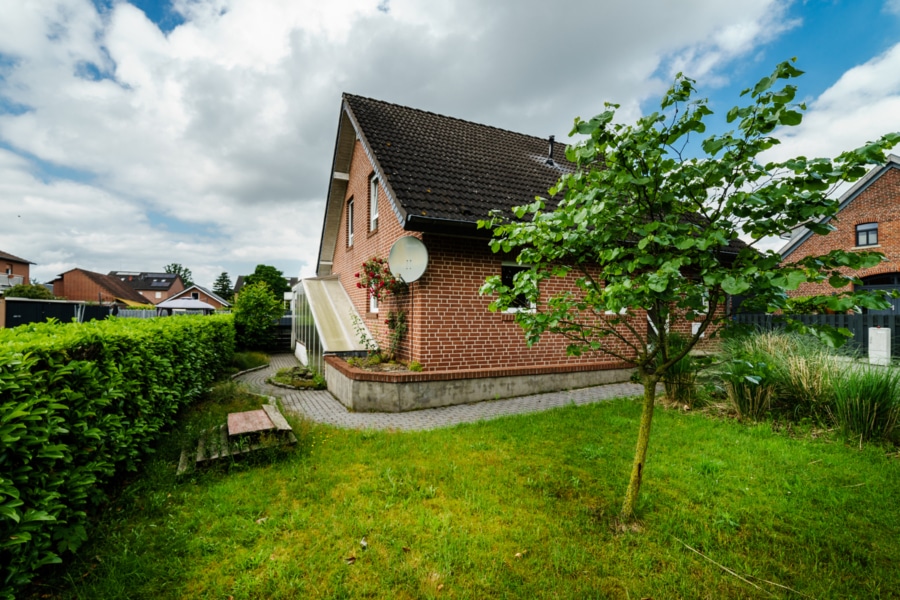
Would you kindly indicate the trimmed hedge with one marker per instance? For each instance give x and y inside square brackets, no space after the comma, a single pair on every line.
[79,404]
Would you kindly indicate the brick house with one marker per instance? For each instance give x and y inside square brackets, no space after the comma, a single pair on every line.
[196,292]
[80,284]
[154,287]
[399,171]
[868,218]
[13,270]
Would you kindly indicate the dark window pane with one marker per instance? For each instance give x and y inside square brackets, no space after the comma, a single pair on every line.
[507,273]
[867,234]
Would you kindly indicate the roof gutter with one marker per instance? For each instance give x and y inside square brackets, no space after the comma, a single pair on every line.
[439,225]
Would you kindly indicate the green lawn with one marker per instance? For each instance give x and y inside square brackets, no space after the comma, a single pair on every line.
[522,507]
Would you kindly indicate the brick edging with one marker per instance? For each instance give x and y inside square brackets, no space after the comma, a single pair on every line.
[358,374]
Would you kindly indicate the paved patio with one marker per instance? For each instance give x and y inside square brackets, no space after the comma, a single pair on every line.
[320,406]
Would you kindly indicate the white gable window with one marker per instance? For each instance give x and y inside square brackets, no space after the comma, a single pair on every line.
[350,222]
[373,204]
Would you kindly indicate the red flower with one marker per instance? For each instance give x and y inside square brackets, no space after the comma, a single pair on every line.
[359,285]
[357,275]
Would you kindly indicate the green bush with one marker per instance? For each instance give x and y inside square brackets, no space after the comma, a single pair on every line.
[80,403]
[799,372]
[32,291]
[244,361]
[255,312]
[867,401]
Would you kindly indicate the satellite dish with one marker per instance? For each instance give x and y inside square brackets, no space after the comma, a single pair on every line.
[408,258]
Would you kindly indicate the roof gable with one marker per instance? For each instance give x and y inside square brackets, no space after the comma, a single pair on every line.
[802,234]
[112,285]
[200,288]
[445,168]
[440,173]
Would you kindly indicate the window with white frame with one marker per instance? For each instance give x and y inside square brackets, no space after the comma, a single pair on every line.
[867,234]
[373,204]
[508,272]
[373,303]
[350,222]
[195,295]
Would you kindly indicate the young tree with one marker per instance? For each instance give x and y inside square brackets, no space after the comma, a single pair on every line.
[255,312]
[223,288]
[649,234]
[34,291]
[272,276]
[187,278]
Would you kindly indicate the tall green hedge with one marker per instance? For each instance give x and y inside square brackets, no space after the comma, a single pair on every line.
[79,404]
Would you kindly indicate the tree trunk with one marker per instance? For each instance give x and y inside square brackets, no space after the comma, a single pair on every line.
[640,453]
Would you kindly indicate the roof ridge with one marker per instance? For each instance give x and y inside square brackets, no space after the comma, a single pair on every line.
[442,116]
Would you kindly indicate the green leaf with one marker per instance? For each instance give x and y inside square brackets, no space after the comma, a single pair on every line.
[735,287]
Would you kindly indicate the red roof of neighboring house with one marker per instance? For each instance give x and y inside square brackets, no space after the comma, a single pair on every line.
[8,256]
[113,286]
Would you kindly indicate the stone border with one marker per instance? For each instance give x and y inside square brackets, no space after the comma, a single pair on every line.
[366,391]
[259,368]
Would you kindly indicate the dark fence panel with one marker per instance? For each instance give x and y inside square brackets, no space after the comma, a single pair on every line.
[857,324]
[23,311]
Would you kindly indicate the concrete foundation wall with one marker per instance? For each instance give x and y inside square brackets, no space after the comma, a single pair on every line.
[400,396]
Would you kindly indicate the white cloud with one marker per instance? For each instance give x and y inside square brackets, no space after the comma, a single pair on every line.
[226,124]
[860,107]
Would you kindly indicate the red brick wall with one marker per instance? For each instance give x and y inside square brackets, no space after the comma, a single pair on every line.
[16,268]
[450,326]
[877,203]
[75,285]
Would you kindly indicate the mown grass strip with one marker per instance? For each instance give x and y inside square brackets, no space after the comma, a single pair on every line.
[518,507]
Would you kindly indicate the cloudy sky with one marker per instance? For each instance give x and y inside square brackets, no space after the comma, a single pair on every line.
[136,134]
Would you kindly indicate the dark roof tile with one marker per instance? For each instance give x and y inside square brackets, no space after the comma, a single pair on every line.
[447,168]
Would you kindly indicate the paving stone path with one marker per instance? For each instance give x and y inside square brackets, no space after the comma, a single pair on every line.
[322,407]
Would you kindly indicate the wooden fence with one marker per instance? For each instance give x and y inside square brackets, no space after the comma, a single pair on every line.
[857,324]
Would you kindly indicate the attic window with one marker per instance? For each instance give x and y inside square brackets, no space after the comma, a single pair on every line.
[867,234]
[373,204]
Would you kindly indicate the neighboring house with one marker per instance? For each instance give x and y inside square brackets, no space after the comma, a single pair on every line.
[398,171]
[79,284]
[155,287]
[196,292]
[868,219]
[13,270]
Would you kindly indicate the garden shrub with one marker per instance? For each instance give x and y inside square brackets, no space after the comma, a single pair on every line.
[799,372]
[867,401]
[80,403]
[255,311]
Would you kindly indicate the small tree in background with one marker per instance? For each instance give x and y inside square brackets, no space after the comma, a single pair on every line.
[33,291]
[278,285]
[647,232]
[223,288]
[176,269]
[255,312]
